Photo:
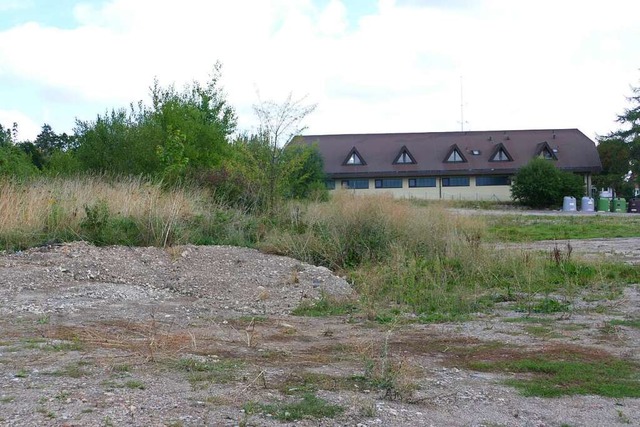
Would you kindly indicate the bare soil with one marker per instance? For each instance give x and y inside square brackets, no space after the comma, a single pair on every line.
[188,336]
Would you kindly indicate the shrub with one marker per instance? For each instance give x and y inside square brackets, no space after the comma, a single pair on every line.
[540,184]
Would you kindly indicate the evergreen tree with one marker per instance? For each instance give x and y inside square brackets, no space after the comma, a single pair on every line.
[617,161]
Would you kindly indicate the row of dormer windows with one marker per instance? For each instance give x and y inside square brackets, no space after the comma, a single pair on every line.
[454,155]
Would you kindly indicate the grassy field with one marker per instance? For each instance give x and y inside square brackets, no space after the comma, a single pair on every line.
[528,228]
[401,257]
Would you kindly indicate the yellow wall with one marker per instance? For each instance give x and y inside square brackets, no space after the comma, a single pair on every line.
[472,192]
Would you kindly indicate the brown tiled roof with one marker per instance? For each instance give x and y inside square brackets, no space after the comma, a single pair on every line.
[574,150]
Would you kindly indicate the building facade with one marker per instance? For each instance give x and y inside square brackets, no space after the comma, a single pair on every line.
[474,165]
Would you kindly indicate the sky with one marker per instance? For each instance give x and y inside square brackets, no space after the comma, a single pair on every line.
[370,66]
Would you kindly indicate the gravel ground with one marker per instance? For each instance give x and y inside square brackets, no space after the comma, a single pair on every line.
[189,336]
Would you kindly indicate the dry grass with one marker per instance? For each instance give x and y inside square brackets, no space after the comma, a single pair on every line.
[60,202]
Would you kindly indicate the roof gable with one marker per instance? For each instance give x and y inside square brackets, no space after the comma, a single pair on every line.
[454,155]
[544,150]
[500,154]
[404,157]
[354,158]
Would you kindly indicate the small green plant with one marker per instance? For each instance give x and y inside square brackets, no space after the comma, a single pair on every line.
[63,395]
[325,306]
[22,373]
[73,370]
[135,385]
[309,406]
[631,323]
[7,399]
[96,222]
[544,306]
[622,417]
[217,371]
[541,331]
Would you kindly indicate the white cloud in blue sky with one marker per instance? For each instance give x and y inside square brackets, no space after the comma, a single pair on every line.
[372,66]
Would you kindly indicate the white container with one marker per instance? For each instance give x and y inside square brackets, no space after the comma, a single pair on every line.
[587,205]
[569,204]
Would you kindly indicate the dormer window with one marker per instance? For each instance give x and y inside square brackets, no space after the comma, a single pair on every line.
[455,155]
[544,151]
[354,158]
[500,154]
[404,157]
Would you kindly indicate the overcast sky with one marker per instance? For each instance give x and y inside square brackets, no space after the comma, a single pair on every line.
[371,66]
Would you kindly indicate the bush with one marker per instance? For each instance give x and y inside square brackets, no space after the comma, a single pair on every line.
[540,184]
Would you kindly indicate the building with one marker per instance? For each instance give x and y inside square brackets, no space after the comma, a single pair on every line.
[449,165]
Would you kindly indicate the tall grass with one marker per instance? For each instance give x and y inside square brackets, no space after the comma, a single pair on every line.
[108,210]
[421,259]
[424,259]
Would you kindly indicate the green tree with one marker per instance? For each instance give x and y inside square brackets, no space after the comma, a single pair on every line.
[15,163]
[180,131]
[629,134]
[200,113]
[540,184]
[111,143]
[615,156]
[305,177]
[5,136]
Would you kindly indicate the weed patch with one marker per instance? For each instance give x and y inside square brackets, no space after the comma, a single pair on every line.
[544,306]
[567,371]
[218,371]
[326,306]
[309,406]
[74,370]
[631,323]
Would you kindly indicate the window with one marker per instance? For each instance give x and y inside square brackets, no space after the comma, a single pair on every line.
[546,154]
[330,184]
[404,157]
[476,152]
[500,156]
[482,181]
[455,181]
[422,182]
[545,151]
[355,184]
[354,158]
[455,156]
[389,183]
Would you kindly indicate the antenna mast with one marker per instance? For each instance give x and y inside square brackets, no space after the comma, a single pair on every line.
[461,107]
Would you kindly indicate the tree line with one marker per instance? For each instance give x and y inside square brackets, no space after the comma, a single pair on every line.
[186,135]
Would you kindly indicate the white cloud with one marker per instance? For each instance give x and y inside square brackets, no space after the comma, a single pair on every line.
[542,64]
[27,128]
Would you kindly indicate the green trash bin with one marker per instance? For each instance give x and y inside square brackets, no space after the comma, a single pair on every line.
[604,204]
[618,205]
